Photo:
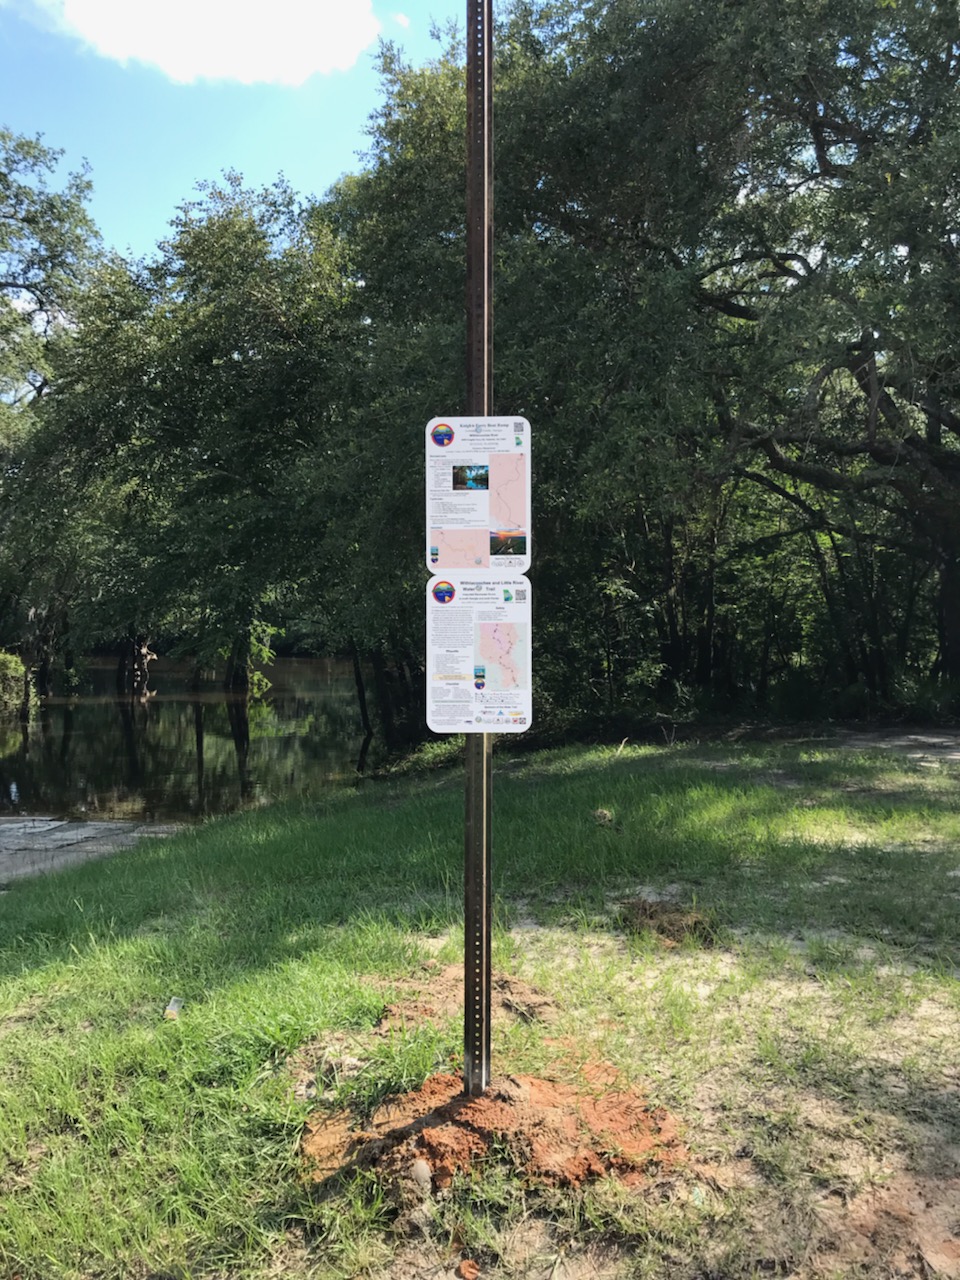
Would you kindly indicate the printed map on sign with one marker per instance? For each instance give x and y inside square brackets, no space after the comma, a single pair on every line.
[478,494]
[502,653]
[507,494]
[461,548]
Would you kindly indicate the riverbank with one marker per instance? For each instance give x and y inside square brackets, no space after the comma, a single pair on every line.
[758,941]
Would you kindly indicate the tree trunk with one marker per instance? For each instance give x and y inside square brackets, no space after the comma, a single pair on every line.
[27,691]
[672,647]
[67,735]
[133,665]
[68,657]
[141,657]
[381,683]
[238,712]
[364,713]
[237,677]
[198,734]
[838,616]
[763,673]
[706,632]
[418,687]
[44,674]
[918,576]
[948,619]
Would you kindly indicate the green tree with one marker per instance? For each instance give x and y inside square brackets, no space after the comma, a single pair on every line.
[772,193]
[46,242]
[399,229]
[726,296]
[47,246]
[194,388]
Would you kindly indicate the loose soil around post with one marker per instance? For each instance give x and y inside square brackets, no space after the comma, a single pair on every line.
[581,1124]
[553,1132]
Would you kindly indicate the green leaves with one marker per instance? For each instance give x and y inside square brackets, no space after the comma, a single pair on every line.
[727,291]
[46,242]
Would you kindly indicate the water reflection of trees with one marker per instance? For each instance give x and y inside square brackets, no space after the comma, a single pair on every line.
[184,751]
[238,713]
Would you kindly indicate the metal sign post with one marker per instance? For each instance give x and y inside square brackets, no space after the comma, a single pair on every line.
[479,748]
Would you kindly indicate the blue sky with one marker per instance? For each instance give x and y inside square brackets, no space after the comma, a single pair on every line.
[159,95]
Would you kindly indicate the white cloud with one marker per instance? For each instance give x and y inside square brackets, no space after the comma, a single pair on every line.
[250,41]
[401,19]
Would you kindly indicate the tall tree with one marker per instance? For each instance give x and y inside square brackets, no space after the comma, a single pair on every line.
[47,246]
[46,241]
[777,185]
[188,397]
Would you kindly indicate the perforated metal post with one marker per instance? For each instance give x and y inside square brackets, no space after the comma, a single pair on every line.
[479,750]
[477,916]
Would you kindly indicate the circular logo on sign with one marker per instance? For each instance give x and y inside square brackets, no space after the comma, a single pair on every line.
[442,434]
[444,592]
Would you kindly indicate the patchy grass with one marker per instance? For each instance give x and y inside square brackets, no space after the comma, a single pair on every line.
[805,1031]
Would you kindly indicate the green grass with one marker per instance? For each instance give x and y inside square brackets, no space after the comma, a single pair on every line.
[812,1042]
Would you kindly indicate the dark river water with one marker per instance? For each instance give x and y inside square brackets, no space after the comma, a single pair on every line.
[178,754]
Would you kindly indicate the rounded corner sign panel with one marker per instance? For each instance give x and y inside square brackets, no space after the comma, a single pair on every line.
[479,673]
[478,495]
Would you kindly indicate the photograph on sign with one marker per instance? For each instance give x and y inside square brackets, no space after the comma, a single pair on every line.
[478,495]
[479,672]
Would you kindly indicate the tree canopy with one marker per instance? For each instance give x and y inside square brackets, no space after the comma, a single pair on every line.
[727,298]
[46,240]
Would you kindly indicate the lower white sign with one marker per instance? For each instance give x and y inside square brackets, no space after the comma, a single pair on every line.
[479,672]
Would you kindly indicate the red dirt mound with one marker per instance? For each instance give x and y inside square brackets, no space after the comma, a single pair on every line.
[554,1133]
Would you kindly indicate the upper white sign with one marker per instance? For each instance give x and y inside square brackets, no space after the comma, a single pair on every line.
[478,495]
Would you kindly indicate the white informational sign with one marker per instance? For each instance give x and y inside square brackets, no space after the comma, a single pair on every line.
[478,495]
[479,674]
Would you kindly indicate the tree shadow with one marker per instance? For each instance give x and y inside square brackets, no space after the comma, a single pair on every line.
[261,907]
[255,890]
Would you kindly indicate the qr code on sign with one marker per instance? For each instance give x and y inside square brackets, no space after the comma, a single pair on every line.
[520,595]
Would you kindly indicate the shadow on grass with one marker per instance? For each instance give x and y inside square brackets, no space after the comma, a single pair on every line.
[264,922]
[828,1069]
[572,831]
